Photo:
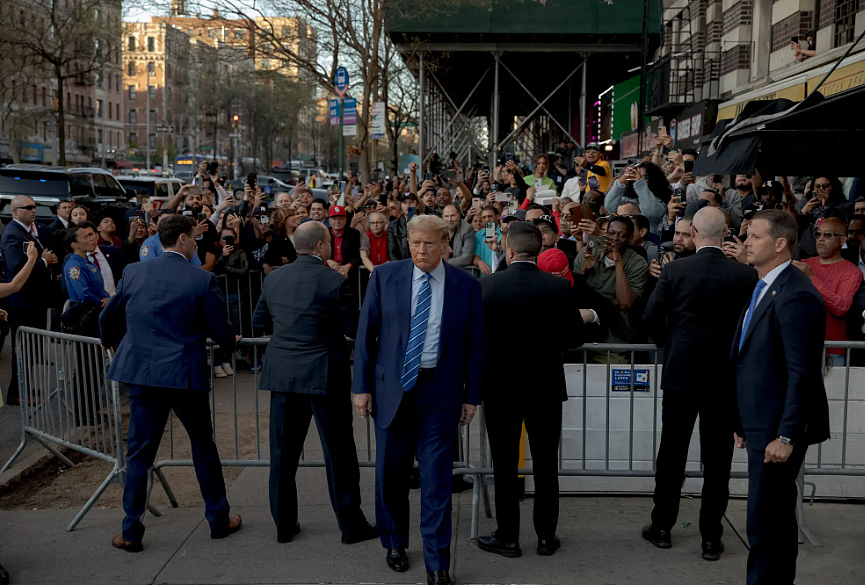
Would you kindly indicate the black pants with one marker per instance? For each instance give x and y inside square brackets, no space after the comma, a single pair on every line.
[680,410]
[772,530]
[22,317]
[290,415]
[543,420]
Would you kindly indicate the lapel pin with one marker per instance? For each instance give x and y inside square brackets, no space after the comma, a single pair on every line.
[773,293]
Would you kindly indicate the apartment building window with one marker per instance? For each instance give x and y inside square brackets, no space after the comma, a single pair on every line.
[153,117]
[212,33]
[132,93]
[109,83]
[239,34]
[44,97]
[153,141]
[99,111]
[152,89]
[151,44]
[845,21]
[130,44]
[133,117]
[133,139]
[99,135]
[151,68]
[130,69]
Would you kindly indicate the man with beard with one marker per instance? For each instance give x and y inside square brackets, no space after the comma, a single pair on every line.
[682,247]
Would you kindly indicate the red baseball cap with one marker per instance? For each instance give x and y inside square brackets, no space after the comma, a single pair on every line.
[336,210]
[555,262]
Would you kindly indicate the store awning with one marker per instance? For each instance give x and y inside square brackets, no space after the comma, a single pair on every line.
[781,137]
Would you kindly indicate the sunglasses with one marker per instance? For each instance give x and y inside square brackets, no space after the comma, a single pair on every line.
[27,207]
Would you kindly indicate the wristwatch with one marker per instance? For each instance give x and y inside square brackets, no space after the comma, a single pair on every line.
[785,440]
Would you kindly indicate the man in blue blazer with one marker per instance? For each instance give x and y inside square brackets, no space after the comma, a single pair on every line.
[778,356]
[167,309]
[417,370]
[29,306]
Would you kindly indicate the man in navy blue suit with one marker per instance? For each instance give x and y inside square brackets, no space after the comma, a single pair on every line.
[167,309]
[29,306]
[778,356]
[417,370]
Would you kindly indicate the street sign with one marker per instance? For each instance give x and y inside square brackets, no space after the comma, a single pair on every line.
[377,120]
[349,130]
[235,135]
[334,112]
[165,129]
[349,111]
[340,84]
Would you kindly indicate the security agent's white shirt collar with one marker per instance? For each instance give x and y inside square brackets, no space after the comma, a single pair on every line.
[176,252]
[707,247]
[526,261]
[28,230]
[770,278]
[430,355]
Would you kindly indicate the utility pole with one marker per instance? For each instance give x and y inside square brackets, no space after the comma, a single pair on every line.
[147,115]
[341,147]
[164,115]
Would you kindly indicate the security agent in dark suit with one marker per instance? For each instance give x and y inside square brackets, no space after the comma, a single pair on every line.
[310,310]
[64,208]
[511,312]
[29,306]
[168,309]
[691,314]
[778,356]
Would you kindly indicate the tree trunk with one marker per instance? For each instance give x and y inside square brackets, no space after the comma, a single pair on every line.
[61,119]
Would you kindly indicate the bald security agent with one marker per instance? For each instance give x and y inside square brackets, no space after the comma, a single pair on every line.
[167,309]
[778,356]
[692,314]
[417,370]
[309,308]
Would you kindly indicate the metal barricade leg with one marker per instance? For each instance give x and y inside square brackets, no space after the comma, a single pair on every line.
[800,509]
[165,486]
[54,451]
[114,476]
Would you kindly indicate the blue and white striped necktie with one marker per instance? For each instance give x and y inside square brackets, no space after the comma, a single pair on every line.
[417,335]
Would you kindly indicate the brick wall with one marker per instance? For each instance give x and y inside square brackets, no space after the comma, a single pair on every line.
[827,12]
[740,13]
[714,31]
[797,23]
[738,57]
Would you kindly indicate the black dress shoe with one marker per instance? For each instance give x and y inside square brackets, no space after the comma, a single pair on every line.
[438,578]
[712,550]
[494,545]
[548,546]
[4,576]
[283,539]
[366,532]
[397,560]
[657,536]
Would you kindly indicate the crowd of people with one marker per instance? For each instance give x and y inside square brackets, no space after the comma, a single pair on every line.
[616,238]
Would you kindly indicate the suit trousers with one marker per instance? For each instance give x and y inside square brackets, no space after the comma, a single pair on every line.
[22,317]
[680,410]
[772,530]
[416,430]
[504,421]
[290,415]
[148,412]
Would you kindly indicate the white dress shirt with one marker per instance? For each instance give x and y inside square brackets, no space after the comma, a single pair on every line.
[769,279]
[33,232]
[105,269]
[430,354]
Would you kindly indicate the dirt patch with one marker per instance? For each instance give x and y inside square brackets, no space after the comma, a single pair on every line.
[51,485]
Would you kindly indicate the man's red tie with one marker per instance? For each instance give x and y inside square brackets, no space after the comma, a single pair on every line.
[95,261]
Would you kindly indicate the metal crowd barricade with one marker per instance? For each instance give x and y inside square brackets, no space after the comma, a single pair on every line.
[246,291]
[68,402]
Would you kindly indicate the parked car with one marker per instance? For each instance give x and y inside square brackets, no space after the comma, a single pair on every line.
[96,189]
[158,189]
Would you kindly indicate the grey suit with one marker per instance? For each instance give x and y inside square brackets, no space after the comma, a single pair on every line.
[311,310]
[463,245]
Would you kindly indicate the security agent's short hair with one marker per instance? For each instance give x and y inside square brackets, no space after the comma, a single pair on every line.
[525,239]
[781,225]
[641,222]
[172,227]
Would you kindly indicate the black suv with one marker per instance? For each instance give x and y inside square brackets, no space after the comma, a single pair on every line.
[94,188]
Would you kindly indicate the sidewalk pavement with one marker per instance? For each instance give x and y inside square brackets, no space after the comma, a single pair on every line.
[601,544]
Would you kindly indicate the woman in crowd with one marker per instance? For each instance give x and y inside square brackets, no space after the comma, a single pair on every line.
[137,233]
[234,263]
[287,222]
[540,179]
[647,186]
[373,242]
[825,200]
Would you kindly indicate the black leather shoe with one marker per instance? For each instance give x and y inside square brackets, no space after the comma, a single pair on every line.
[494,545]
[548,546]
[438,578]
[4,576]
[366,532]
[397,560]
[283,539]
[657,536]
[712,550]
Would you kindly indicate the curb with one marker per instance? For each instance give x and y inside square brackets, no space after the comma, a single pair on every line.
[22,467]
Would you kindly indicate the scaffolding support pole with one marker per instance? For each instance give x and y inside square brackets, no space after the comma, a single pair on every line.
[583,103]
[422,98]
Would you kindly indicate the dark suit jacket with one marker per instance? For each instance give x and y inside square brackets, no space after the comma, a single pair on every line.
[383,335]
[350,246]
[512,311]
[38,290]
[310,309]
[397,240]
[692,314]
[779,372]
[115,260]
[55,226]
[168,309]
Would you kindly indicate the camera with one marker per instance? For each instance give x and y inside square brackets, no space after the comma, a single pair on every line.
[252,180]
[228,240]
